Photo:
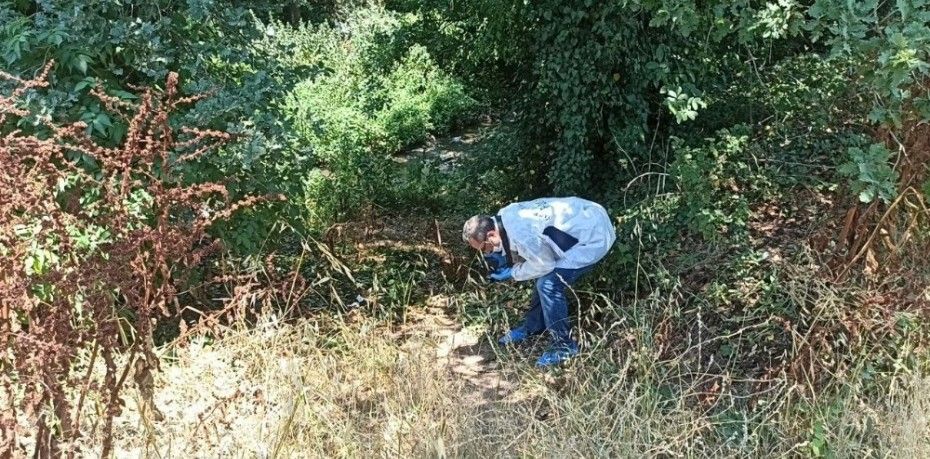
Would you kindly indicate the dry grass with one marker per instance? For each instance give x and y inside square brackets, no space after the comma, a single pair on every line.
[303,389]
[356,386]
[315,389]
[896,426]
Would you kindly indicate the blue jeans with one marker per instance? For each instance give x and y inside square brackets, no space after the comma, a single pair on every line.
[549,306]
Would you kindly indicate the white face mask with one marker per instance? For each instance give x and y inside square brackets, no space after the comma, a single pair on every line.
[500,245]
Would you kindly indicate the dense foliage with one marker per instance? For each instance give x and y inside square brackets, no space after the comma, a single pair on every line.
[375,92]
[766,161]
[220,48]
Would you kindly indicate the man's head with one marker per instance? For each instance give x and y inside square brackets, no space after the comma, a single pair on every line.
[481,233]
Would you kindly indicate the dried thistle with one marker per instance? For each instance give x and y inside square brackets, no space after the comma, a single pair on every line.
[60,295]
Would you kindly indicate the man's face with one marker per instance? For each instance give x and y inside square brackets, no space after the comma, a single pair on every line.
[488,246]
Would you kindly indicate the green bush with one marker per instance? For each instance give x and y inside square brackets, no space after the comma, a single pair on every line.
[220,48]
[870,173]
[717,181]
[353,119]
[352,169]
[419,98]
[377,38]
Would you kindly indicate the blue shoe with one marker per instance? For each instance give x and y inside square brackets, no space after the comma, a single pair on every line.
[513,336]
[558,354]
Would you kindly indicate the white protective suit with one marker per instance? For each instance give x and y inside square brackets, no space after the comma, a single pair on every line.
[550,233]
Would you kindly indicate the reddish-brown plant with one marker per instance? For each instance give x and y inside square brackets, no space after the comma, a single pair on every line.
[90,258]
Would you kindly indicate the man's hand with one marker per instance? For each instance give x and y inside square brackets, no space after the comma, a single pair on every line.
[501,275]
[496,260]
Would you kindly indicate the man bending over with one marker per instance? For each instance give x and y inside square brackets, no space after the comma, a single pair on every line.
[552,240]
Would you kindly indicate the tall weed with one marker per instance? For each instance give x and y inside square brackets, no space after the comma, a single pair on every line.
[93,239]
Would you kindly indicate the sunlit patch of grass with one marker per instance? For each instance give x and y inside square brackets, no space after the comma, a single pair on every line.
[318,388]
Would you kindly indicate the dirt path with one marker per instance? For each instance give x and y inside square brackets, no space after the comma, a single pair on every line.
[466,355]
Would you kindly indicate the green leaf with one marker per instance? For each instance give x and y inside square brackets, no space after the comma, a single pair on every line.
[123,94]
[80,63]
[878,114]
[101,123]
[85,83]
